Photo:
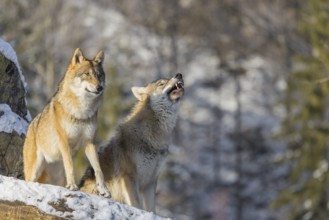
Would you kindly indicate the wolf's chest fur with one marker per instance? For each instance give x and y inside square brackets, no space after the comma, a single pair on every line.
[146,135]
[80,107]
[79,132]
[148,162]
[78,120]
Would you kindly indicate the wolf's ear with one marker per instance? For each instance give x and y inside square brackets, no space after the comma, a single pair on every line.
[138,92]
[99,57]
[77,57]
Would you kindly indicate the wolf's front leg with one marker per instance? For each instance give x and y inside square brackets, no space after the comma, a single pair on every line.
[93,159]
[148,195]
[68,165]
[69,172]
[131,191]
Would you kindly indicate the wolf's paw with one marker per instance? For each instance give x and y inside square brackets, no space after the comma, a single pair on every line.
[72,187]
[106,194]
[103,191]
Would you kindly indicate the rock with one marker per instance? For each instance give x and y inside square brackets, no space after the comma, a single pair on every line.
[14,115]
[28,200]
[12,91]
[19,210]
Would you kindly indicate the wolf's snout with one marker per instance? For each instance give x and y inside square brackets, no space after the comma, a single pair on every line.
[179,76]
[99,88]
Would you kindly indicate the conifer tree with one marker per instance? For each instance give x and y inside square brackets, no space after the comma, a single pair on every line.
[306,126]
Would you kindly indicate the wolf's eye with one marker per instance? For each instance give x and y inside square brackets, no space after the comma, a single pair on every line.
[162,83]
[86,74]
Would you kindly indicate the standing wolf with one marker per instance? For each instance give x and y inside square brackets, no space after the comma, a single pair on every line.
[68,122]
[131,161]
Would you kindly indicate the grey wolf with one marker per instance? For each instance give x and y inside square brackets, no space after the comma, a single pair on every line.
[68,122]
[132,159]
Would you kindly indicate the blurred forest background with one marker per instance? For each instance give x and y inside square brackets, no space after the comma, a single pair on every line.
[252,138]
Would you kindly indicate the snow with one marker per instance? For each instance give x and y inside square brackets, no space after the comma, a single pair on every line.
[10,121]
[322,169]
[228,176]
[78,205]
[10,54]
[307,204]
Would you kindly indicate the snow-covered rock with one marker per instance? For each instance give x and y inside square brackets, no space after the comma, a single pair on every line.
[7,50]
[61,202]
[14,116]
[10,121]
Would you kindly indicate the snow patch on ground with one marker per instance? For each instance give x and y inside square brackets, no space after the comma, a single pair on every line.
[10,121]
[77,205]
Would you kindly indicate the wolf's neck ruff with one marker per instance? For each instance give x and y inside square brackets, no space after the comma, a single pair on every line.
[79,107]
[159,112]
[166,112]
[157,123]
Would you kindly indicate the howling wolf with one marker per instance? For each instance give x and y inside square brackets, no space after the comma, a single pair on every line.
[131,161]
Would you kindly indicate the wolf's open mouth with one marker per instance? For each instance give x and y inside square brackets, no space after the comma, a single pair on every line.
[95,92]
[177,87]
[180,85]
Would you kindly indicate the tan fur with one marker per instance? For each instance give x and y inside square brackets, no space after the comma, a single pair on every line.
[68,122]
[131,161]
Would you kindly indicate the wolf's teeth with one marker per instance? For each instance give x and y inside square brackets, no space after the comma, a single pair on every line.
[179,85]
